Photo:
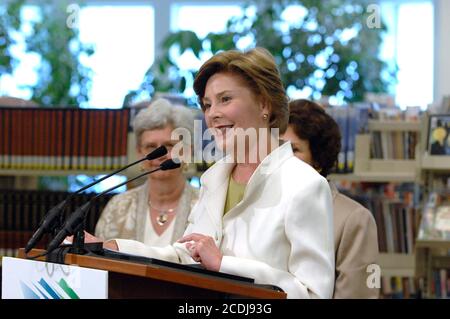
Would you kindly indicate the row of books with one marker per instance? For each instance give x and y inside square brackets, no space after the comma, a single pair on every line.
[394,207]
[351,121]
[63,138]
[354,119]
[22,211]
[440,283]
[400,288]
[393,145]
[397,226]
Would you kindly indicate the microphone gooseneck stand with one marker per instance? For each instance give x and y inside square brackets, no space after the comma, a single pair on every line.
[76,225]
[53,220]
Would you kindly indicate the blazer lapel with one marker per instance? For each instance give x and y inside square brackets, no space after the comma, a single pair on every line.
[215,184]
[269,164]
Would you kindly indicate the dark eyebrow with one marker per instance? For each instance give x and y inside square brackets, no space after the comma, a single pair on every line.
[218,95]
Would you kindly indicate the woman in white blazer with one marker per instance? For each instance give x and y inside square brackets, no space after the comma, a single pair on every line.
[262,213]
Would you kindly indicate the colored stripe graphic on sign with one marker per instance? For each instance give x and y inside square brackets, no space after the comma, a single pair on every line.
[69,291]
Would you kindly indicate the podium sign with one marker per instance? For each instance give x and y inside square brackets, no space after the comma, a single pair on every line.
[29,279]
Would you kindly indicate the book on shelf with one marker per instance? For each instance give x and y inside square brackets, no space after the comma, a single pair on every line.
[352,120]
[440,283]
[394,144]
[340,115]
[63,138]
[435,224]
[396,213]
[22,211]
[390,141]
[400,288]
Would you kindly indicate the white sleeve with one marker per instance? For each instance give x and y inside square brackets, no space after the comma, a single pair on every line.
[309,230]
[174,253]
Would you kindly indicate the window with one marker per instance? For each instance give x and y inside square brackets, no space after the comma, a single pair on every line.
[123,37]
[23,74]
[410,46]
[203,19]
[200,19]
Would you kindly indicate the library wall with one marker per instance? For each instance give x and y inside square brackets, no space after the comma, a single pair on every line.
[383,154]
[442,50]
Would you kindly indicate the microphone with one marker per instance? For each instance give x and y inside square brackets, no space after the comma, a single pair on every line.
[77,218]
[169,164]
[49,222]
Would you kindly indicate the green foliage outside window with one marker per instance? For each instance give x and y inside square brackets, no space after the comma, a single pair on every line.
[330,48]
[62,79]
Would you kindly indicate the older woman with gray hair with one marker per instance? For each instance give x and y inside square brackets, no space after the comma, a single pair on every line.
[155,213]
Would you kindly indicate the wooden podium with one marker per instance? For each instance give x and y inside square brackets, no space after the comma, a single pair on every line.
[137,280]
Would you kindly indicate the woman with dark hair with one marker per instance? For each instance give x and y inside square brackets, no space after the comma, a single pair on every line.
[316,139]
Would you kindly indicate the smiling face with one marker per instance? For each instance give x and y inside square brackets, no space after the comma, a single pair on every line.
[149,141]
[229,104]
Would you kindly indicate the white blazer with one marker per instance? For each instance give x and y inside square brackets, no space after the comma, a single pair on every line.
[281,233]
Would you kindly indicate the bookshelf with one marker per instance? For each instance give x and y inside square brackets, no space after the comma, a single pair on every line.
[62,139]
[433,245]
[26,178]
[399,170]
[131,155]
[432,257]
[37,142]
[420,170]
[430,261]
[397,265]
[375,177]
[435,163]
[431,164]
[372,170]
[22,210]
[390,125]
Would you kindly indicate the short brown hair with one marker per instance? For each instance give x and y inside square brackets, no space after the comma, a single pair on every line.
[258,69]
[310,122]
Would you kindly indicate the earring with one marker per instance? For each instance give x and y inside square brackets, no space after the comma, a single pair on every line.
[265,117]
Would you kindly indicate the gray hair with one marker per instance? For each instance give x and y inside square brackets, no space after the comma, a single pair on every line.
[162,113]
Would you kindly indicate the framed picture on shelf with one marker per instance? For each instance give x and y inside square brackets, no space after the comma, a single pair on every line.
[439,134]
